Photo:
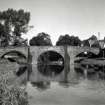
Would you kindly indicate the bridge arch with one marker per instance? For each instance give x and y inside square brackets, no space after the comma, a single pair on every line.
[56,57]
[86,54]
[9,57]
[79,50]
[50,63]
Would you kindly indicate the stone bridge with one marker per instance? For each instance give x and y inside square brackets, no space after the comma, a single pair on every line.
[66,56]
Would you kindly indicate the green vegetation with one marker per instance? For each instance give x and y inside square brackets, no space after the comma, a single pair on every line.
[12,24]
[11,92]
[42,39]
[12,95]
[91,42]
[68,40]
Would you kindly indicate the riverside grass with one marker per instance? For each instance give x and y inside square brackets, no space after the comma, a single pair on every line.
[12,95]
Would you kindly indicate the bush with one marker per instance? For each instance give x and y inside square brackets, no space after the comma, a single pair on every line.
[12,95]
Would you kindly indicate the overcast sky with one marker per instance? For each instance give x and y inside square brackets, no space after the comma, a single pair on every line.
[58,17]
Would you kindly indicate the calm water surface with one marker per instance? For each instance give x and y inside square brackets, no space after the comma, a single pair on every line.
[87,92]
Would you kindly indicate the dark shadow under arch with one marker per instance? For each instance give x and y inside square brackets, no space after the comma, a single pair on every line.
[87,54]
[50,63]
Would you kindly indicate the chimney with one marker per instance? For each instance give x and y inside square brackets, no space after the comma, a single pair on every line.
[98,35]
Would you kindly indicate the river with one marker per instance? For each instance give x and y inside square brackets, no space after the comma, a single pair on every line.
[87,92]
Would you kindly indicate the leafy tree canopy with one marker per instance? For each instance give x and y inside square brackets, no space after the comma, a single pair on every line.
[17,19]
[92,40]
[68,40]
[13,23]
[93,37]
[42,39]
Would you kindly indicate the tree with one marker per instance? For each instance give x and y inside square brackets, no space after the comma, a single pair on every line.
[68,40]
[14,23]
[42,39]
[96,44]
[91,42]
[86,43]
[3,36]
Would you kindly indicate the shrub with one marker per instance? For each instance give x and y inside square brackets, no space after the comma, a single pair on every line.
[12,95]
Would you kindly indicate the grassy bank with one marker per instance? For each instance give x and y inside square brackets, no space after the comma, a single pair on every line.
[13,95]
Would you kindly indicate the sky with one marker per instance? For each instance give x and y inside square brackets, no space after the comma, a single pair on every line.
[81,18]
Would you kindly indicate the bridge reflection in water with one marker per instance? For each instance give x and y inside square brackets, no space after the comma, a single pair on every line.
[88,90]
[90,65]
[87,66]
[83,72]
